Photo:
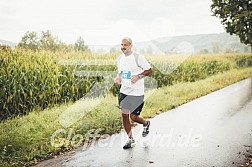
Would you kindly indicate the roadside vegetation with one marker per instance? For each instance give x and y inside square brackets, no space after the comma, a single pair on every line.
[38,86]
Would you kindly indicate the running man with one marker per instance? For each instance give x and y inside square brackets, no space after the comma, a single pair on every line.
[132,68]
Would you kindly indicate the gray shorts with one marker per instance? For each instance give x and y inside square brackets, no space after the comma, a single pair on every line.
[132,103]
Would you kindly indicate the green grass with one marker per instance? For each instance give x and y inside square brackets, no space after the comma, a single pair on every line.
[31,80]
[170,97]
[26,139]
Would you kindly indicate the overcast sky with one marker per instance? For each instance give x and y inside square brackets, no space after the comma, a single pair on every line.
[105,22]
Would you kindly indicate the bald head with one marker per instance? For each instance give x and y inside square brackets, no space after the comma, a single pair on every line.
[128,39]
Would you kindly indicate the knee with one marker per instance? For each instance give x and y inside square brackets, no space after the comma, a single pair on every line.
[133,117]
[125,116]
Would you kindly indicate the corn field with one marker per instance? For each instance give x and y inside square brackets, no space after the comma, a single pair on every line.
[36,80]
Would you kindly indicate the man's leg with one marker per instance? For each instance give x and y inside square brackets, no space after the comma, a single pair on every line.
[126,124]
[141,120]
[138,118]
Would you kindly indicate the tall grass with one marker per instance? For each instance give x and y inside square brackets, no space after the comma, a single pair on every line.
[31,80]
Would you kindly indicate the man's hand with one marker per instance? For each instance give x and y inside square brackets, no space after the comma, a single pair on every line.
[134,78]
[117,79]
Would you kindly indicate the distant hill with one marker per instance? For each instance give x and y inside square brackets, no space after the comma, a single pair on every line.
[202,43]
[9,43]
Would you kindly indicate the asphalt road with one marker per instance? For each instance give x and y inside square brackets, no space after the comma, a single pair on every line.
[214,130]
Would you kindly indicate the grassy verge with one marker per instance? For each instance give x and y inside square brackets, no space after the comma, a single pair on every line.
[170,97]
[26,140]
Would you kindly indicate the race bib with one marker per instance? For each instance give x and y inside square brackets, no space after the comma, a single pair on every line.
[125,75]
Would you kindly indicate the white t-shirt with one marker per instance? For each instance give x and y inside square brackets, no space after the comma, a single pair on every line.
[127,66]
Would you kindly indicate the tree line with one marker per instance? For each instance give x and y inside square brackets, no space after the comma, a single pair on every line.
[47,41]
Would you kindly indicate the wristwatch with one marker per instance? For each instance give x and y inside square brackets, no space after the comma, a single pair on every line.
[140,76]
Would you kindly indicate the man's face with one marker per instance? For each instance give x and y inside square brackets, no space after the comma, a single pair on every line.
[125,46]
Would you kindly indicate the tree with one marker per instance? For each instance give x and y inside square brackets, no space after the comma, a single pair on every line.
[45,41]
[29,41]
[79,45]
[149,50]
[48,42]
[229,50]
[114,50]
[216,47]
[203,51]
[236,16]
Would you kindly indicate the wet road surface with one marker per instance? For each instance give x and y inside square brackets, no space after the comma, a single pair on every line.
[214,130]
